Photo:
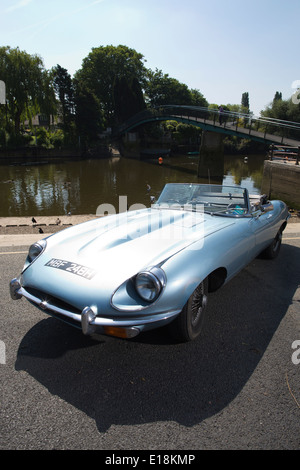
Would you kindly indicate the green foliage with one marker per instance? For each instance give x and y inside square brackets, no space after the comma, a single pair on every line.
[277,96]
[197,98]
[27,84]
[112,85]
[17,140]
[284,110]
[42,137]
[64,89]
[170,126]
[235,145]
[57,138]
[161,89]
[89,118]
[128,98]
[245,101]
[181,132]
[103,66]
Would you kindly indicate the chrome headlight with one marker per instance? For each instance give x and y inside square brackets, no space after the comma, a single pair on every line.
[35,250]
[150,283]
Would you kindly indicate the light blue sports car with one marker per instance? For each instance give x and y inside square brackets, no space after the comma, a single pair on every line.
[127,273]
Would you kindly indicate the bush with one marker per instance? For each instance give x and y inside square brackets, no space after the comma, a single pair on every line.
[57,138]
[19,140]
[42,137]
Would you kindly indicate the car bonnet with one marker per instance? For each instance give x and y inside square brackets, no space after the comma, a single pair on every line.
[114,248]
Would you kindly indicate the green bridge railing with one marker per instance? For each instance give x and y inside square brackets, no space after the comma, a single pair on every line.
[262,129]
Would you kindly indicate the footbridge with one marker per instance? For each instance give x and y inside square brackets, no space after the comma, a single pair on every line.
[260,129]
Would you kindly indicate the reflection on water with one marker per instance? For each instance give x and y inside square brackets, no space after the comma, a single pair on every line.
[80,186]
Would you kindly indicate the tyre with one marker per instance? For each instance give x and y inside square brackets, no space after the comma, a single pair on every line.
[188,325]
[273,249]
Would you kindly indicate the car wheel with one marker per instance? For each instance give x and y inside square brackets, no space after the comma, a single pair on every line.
[273,249]
[188,325]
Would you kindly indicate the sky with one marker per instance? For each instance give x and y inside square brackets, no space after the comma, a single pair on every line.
[222,48]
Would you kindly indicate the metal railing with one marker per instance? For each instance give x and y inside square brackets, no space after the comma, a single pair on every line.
[284,153]
[233,122]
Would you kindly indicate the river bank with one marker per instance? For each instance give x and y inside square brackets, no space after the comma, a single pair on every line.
[43,224]
[33,153]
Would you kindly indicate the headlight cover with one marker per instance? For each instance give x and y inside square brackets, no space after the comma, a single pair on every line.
[149,284]
[35,250]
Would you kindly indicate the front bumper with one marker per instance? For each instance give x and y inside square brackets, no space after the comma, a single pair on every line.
[87,319]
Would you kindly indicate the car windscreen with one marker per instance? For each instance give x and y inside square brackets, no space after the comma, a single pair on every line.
[213,199]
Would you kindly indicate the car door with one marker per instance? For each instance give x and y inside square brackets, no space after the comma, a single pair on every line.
[261,228]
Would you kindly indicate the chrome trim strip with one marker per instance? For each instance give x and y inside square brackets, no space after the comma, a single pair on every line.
[96,320]
[45,305]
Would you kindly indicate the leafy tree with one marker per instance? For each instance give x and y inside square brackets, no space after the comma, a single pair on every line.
[284,110]
[278,109]
[277,96]
[128,98]
[48,104]
[27,84]
[182,133]
[103,66]
[88,114]
[293,113]
[64,90]
[162,89]
[245,101]
[42,137]
[197,98]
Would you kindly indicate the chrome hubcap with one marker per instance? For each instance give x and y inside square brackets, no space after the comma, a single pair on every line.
[198,304]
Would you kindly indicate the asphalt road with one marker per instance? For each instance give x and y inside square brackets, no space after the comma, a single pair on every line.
[235,387]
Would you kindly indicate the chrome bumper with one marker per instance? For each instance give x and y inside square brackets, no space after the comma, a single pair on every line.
[88,321]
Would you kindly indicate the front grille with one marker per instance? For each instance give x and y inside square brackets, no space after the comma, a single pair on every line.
[37,297]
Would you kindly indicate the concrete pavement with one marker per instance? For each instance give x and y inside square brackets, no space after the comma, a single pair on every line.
[49,221]
[21,231]
[235,388]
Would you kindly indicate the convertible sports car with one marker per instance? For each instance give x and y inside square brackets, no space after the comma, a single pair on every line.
[126,273]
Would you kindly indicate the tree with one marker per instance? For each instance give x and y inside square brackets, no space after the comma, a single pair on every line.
[197,98]
[27,84]
[88,114]
[103,66]
[64,90]
[245,102]
[128,98]
[278,109]
[285,110]
[277,96]
[162,89]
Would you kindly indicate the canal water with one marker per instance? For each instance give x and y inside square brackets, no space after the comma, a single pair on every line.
[79,186]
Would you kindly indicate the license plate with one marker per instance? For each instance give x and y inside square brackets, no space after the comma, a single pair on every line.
[73,268]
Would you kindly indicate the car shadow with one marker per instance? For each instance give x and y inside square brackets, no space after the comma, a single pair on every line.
[149,379]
